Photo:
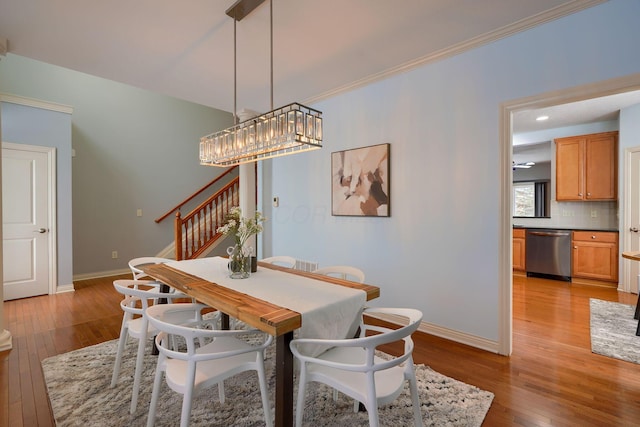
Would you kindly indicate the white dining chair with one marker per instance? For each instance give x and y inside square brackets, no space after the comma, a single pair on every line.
[210,357]
[282,260]
[135,263]
[138,295]
[352,367]
[345,272]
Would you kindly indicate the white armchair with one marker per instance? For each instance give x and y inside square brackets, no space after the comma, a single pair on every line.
[352,367]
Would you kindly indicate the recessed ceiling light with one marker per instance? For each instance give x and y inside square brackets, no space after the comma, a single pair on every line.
[542,118]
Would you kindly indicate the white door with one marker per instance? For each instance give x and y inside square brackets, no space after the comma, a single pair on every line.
[633,230]
[26,207]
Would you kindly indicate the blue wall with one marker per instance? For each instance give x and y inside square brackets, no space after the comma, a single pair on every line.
[135,149]
[440,249]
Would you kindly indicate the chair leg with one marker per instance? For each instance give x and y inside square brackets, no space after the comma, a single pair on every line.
[264,391]
[372,410]
[415,402]
[301,392]
[121,343]
[372,401]
[137,374]
[151,418]
[187,398]
[221,395]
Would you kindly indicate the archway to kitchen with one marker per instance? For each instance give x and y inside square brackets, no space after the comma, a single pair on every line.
[601,89]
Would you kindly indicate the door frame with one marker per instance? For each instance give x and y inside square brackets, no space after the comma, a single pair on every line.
[507,109]
[625,238]
[52,237]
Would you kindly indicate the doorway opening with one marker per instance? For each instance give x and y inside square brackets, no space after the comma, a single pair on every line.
[508,110]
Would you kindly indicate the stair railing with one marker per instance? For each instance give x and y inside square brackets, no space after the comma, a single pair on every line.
[197,231]
[188,199]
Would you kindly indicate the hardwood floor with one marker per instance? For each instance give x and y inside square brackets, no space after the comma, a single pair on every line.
[552,378]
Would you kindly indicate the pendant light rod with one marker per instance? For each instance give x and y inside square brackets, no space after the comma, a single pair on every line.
[235,75]
[271,46]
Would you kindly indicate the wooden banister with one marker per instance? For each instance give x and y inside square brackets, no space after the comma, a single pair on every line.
[197,231]
[188,199]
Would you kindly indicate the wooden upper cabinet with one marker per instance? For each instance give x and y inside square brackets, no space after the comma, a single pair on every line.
[586,167]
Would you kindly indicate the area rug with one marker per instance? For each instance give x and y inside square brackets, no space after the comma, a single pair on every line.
[78,387]
[613,330]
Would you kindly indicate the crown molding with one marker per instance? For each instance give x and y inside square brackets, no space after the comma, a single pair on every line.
[506,31]
[36,103]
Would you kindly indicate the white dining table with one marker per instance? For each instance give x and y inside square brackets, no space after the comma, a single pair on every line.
[277,300]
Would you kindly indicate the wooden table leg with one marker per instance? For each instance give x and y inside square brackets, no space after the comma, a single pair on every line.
[224,321]
[165,290]
[284,381]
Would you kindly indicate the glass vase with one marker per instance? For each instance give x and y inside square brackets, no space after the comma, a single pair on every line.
[239,261]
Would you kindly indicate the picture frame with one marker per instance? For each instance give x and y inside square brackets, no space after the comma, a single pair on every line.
[360,184]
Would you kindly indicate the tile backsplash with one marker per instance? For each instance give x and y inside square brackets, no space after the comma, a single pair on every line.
[576,215]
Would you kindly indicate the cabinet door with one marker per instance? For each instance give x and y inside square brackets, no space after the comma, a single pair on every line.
[570,168]
[595,260]
[600,167]
[518,253]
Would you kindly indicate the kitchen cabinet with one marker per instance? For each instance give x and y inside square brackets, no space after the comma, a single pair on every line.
[518,249]
[595,255]
[586,167]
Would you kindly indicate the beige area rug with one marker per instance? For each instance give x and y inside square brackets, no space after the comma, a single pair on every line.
[78,387]
[613,330]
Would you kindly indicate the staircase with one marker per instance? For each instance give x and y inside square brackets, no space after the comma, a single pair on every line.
[195,233]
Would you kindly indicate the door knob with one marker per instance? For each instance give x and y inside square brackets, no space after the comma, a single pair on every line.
[634,229]
[40,230]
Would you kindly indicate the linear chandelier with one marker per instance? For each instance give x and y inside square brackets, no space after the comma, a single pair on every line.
[291,129]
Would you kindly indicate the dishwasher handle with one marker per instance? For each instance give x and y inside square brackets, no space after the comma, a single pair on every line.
[550,233]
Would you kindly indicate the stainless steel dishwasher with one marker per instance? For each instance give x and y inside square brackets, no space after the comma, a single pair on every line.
[548,253]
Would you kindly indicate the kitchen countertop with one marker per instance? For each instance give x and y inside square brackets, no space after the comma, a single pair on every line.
[569,229]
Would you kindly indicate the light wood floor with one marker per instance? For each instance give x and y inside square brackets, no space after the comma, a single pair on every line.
[552,378]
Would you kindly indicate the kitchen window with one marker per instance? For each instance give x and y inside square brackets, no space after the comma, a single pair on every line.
[531,199]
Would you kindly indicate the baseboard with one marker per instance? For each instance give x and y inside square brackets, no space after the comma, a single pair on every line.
[65,288]
[593,282]
[460,337]
[101,274]
[449,334]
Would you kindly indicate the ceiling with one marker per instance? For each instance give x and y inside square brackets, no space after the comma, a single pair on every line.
[593,110]
[185,48]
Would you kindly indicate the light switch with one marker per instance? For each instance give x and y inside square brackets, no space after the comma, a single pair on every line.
[139,212]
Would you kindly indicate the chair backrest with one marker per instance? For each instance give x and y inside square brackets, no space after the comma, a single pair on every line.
[369,343]
[345,272]
[136,300]
[172,319]
[136,262]
[283,260]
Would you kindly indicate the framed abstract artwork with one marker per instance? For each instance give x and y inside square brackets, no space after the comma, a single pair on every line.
[360,181]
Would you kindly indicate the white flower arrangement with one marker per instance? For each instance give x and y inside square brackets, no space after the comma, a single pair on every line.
[239,227]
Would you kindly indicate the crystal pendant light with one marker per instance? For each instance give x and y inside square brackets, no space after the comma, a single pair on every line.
[291,129]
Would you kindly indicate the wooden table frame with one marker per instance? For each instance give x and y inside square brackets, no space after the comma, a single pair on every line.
[272,319]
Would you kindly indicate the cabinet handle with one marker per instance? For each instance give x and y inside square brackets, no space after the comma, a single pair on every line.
[580,194]
[593,237]
[575,247]
[634,229]
[588,194]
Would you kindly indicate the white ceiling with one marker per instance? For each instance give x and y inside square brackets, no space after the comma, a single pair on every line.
[185,48]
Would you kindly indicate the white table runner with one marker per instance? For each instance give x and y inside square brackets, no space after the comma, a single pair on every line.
[328,311]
